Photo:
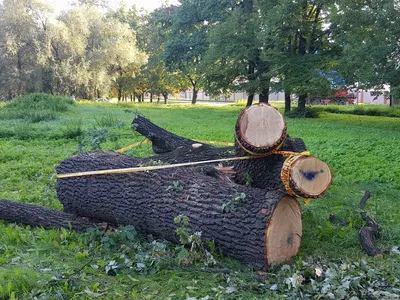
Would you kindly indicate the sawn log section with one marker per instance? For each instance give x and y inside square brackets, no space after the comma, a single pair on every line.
[262,229]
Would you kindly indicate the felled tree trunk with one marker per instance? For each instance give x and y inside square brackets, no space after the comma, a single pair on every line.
[254,226]
[260,131]
[173,148]
[162,140]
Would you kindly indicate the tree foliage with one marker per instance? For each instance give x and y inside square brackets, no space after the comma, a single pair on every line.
[305,48]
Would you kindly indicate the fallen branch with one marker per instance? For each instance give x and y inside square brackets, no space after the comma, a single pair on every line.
[368,233]
[34,215]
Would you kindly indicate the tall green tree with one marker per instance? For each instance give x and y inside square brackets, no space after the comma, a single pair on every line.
[303,46]
[369,34]
[187,43]
[234,60]
[155,33]
[22,23]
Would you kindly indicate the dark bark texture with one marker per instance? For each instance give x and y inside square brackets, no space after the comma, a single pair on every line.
[265,172]
[150,201]
[188,153]
[34,215]
[261,172]
[368,233]
[162,140]
[287,101]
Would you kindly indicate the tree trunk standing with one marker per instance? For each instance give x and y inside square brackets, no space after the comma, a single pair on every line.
[119,94]
[251,225]
[20,72]
[165,95]
[250,98]
[151,97]
[158,98]
[302,102]
[264,96]
[288,101]
[194,96]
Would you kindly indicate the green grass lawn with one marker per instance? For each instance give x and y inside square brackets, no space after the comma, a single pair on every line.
[362,151]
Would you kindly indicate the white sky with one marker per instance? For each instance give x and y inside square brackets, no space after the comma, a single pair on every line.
[148,5]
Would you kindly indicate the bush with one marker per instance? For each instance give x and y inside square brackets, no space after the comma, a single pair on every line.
[363,110]
[303,113]
[35,108]
[40,102]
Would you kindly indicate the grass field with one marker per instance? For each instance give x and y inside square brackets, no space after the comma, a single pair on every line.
[362,151]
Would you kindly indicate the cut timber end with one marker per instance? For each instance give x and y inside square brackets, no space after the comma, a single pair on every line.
[283,237]
[310,177]
[260,128]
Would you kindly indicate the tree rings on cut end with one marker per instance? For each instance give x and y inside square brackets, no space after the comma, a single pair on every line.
[260,129]
[306,176]
[284,231]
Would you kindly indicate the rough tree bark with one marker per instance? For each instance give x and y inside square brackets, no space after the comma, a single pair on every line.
[162,140]
[287,101]
[151,200]
[368,233]
[34,215]
[264,172]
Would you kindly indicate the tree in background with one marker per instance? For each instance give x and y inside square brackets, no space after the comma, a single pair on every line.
[155,33]
[83,52]
[233,59]
[22,23]
[187,43]
[369,33]
[303,48]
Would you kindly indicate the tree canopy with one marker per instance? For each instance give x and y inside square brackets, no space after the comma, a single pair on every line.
[301,47]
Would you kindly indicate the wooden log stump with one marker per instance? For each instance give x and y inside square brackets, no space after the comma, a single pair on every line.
[260,129]
[299,175]
[259,229]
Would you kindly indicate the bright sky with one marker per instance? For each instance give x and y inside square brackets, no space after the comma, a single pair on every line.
[148,5]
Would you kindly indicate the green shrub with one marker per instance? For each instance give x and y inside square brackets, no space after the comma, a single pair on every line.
[308,112]
[362,110]
[40,102]
[108,120]
[35,108]
[72,131]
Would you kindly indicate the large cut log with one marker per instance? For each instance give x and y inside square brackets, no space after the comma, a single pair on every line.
[255,226]
[300,175]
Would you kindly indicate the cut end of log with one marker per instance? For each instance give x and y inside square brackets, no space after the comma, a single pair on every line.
[260,128]
[283,237]
[309,177]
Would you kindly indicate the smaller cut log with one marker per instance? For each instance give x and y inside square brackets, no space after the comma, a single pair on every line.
[260,129]
[34,215]
[299,175]
[306,176]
